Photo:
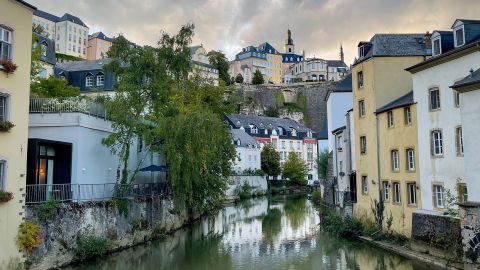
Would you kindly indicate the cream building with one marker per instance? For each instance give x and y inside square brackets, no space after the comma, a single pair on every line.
[98,46]
[201,65]
[16,42]
[378,77]
[69,32]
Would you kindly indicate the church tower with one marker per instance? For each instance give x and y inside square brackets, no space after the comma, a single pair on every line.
[342,57]
[288,46]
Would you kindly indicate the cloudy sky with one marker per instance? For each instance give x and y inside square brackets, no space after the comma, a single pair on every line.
[318,26]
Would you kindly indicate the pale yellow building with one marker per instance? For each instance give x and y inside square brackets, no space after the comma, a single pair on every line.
[273,72]
[378,77]
[398,152]
[16,41]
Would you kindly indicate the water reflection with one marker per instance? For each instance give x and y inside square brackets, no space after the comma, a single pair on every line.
[275,233]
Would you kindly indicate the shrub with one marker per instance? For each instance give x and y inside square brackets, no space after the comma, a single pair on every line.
[245,191]
[5,196]
[139,224]
[5,126]
[344,227]
[159,232]
[48,209]
[122,206]
[89,246]
[316,197]
[29,236]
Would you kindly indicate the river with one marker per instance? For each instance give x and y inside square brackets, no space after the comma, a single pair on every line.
[280,233]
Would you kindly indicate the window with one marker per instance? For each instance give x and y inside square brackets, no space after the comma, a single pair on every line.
[5,43]
[74,48]
[360,79]
[459,141]
[361,108]
[291,145]
[43,47]
[386,190]
[363,144]
[139,145]
[459,40]
[298,145]
[408,115]
[434,99]
[3,108]
[339,143]
[396,192]
[390,119]
[410,159]
[412,193]
[456,99]
[283,144]
[2,174]
[438,196]
[364,184]
[462,192]
[437,143]
[395,163]
[436,47]
[361,51]
[253,129]
[69,37]
[89,80]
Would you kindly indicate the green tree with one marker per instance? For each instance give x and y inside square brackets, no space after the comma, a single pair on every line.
[295,169]
[239,78]
[272,112]
[53,87]
[257,77]
[220,62]
[322,163]
[270,161]
[36,64]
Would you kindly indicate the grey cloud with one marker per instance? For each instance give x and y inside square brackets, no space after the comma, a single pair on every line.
[318,26]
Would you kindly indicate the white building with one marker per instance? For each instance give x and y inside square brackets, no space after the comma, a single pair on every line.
[311,69]
[47,57]
[285,135]
[201,65]
[440,132]
[337,70]
[69,32]
[248,151]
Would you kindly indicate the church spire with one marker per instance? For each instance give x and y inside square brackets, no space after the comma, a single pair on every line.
[342,57]
[288,46]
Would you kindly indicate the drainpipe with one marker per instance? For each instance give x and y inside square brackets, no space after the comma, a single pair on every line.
[380,199]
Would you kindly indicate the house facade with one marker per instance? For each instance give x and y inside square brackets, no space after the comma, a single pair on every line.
[339,101]
[247,149]
[16,45]
[249,60]
[285,135]
[47,58]
[201,65]
[398,157]
[440,129]
[378,77]
[88,75]
[98,46]
[69,32]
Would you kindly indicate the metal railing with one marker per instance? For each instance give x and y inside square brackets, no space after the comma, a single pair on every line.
[93,192]
[67,105]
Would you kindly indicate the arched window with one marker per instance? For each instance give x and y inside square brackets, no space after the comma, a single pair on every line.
[100,79]
[89,80]
[280,131]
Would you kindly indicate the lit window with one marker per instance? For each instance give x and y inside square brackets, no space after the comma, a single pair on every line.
[434,99]
[100,80]
[89,81]
[363,144]
[437,143]
[386,190]
[410,159]
[396,192]
[395,163]
[438,196]
[412,193]
[390,119]
[408,115]
[459,141]
[5,43]
[364,184]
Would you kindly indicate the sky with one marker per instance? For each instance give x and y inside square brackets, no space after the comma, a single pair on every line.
[318,26]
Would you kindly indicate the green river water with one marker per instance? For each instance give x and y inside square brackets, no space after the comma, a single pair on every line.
[266,233]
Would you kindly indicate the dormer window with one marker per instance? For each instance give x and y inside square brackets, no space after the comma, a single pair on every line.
[253,129]
[459,36]
[294,132]
[361,51]
[436,47]
[89,80]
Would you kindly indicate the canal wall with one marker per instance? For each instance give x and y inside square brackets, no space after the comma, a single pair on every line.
[257,183]
[143,220]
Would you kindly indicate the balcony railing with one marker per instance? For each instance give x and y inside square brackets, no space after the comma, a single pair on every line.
[67,105]
[93,192]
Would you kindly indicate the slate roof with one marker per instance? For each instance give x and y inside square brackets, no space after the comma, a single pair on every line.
[323,134]
[202,64]
[472,78]
[336,63]
[338,129]
[53,18]
[71,18]
[465,21]
[395,45]
[46,15]
[100,35]
[245,139]
[402,101]
[83,65]
[50,58]
[193,49]
[240,120]
[344,85]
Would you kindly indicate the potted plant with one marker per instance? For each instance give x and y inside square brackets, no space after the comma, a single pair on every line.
[8,66]
[5,196]
[5,126]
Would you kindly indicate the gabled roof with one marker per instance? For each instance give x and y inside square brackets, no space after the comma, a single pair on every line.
[323,134]
[344,86]
[245,139]
[402,101]
[336,63]
[240,120]
[193,49]
[472,78]
[46,15]
[83,65]
[266,48]
[100,35]
[337,130]
[50,53]
[466,21]
[72,18]
[395,45]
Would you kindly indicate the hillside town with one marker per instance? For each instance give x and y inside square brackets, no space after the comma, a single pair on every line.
[119,155]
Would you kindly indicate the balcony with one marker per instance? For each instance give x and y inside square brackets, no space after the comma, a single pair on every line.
[68,105]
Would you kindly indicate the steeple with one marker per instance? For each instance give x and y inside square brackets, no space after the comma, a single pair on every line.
[288,46]
[342,58]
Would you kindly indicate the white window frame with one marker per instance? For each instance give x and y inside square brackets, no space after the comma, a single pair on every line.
[412,197]
[386,191]
[4,107]
[89,80]
[360,83]
[100,79]
[437,142]
[397,194]
[459,141]
[456,99]
[438,196]
[395,160]
[439,46]
[438,100]
[455,35]
[410,159]
[6,40]
[408,115]
[361,108]
[363,144]
[390,119]
[364,184]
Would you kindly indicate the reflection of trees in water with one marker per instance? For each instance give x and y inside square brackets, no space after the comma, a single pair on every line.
[271,224]
[295,210]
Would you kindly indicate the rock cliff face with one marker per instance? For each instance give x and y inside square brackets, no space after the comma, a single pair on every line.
[302,102]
